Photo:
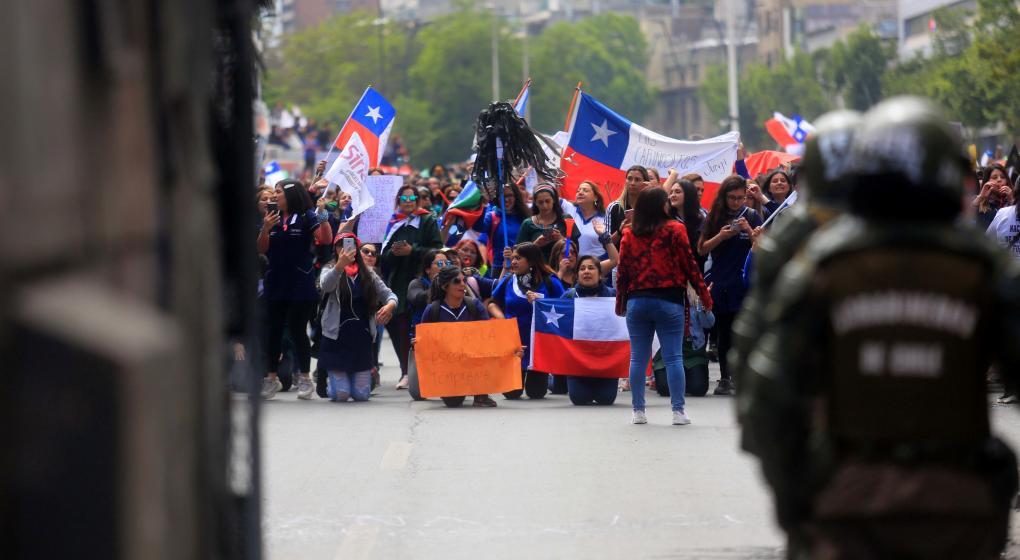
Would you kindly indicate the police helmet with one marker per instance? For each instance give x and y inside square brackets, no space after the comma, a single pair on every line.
[908,163]
[825,170]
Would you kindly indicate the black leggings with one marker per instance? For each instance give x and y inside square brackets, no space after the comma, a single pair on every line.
[399,328]
[724,327]
[294,316]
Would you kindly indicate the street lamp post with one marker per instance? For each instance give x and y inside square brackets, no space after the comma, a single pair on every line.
[495,56]
[380,24]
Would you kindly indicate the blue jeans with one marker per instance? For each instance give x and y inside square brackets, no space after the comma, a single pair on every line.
[646,317]
[342,385]
[587,390]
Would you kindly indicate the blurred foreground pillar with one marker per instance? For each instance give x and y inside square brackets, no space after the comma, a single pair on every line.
[125,278]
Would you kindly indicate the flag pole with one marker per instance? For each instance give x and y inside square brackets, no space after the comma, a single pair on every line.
[523,89]
[337,139]
[570,110]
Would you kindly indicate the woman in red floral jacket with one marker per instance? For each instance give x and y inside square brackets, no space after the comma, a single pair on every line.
[656,263]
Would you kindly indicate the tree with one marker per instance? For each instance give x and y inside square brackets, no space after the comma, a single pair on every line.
[855,67]
[450,83]
[608,53]
[325,68]
[792,88]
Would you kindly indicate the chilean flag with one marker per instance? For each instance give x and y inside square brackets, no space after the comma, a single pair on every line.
[581,336]
[789,133]
[361,142]
[370,124]
[603,144]
[521,103]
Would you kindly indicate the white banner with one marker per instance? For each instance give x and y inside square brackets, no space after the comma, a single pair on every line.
[374,219]
[349,171]
[712,158]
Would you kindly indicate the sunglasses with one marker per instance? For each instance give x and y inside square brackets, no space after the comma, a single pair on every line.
[368,253]
[457,281]
[408,198]
[442,264]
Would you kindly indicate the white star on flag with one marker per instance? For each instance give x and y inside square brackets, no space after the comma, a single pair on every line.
[602,132]
[373,113]
[552,317]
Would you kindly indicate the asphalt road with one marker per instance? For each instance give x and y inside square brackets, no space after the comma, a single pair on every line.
[392,478]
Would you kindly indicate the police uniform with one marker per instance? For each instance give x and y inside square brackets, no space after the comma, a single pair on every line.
[822,194]
[868,406]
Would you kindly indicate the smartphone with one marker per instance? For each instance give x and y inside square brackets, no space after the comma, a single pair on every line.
[628,214]
[272,207]
[349,244]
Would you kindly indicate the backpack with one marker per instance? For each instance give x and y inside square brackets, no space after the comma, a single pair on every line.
[433,310]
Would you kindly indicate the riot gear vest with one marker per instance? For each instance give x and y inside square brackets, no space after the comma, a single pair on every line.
[908,327]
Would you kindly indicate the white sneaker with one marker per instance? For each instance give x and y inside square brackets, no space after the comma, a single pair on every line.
[639,417]
[305,387]
[270,387]
[680,418]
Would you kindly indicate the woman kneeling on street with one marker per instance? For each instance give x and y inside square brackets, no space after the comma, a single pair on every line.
[588,390]
[358,301]
[450,303]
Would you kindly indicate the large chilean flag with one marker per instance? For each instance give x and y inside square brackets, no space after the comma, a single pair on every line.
[603,144]
[581,336]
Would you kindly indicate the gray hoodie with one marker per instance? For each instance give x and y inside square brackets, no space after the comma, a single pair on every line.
[329,281]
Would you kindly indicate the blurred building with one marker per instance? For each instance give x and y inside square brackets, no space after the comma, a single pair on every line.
[295,15]
[810,25]
[916,23]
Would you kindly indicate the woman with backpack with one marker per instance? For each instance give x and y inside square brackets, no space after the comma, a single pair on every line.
[357,301]
[452,303]
[529,279]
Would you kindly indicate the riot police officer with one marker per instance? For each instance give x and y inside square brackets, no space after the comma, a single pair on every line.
[822,196]
[868,406]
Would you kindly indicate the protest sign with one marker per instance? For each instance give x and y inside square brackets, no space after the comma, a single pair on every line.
[372,221]
[470,358]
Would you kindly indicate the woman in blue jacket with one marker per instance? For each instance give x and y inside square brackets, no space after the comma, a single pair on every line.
[491,224]
[529,279]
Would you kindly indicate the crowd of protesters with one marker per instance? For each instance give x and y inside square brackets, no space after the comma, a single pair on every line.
[677,271]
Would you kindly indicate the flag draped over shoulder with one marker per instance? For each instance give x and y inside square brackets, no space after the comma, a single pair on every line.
[581,336]
[361,142]
[603,144]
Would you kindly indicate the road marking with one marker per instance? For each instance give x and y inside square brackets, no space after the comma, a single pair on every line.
[358,542]
[396,456]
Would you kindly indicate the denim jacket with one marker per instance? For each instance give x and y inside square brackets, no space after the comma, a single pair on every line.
[701,320]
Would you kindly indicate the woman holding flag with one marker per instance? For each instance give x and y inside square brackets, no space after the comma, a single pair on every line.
[412,231]
[502,229]
[584,391]
[529,279]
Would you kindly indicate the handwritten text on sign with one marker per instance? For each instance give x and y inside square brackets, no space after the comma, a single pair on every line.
[373,221]
[470,358]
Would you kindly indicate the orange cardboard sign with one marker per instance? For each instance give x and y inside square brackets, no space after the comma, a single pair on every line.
[470,358]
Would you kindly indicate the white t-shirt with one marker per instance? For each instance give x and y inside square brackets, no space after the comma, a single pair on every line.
[1005,228]
[588,242]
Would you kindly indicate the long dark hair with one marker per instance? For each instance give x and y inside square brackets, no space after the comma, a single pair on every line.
[426,262]
[649,212]
[768,183]
[296,195]
[719,213]
[367,281]
[540,271]
[437,291]
[519,207]
[551,191]
[692,208]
